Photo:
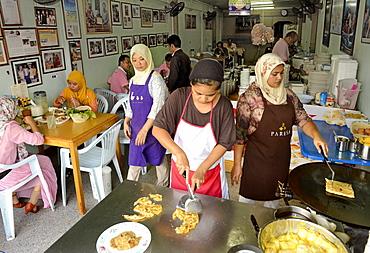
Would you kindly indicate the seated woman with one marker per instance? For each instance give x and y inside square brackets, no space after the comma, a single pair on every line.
[12,149]
[77,94]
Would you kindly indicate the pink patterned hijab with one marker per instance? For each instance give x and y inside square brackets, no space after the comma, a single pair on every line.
[8,112]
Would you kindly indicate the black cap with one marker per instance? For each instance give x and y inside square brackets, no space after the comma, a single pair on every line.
[208,69]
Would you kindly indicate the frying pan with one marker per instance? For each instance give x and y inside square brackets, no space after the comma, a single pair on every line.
[307,183]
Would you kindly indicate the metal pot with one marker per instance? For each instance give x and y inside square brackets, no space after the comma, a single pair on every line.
[342,142]
[294,212]
[279,227]
[364,151]
[353,145]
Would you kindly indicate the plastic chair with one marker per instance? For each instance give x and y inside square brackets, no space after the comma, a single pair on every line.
[207,53]
[102,103]
[93,158]
[6,199]
[193,60]
[109,95]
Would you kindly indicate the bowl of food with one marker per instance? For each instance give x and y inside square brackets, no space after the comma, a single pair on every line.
[360,129]
[81,114]
[305,99]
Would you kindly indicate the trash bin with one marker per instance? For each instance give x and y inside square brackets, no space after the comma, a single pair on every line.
[107,182]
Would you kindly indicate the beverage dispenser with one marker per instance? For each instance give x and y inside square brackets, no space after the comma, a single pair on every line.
[40,98]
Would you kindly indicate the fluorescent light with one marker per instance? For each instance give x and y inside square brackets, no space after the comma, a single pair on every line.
[262,3]
[263,8]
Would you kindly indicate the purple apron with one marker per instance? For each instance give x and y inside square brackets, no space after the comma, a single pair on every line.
[151,151]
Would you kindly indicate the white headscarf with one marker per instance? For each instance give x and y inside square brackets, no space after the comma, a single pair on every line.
[140,77]
[264,66]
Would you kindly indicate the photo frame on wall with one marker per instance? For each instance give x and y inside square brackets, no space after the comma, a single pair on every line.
[21,42]
[53,60]
[71,19]
[144,40]
[75,55]
[135,11]
[126,16]
[3,54]
[10,14]
[97,16]
[159,39]
[146,17]
[349,21]
[162,16]
[116,12]
[165,37]
[27,71]
[155,16]
[326,30]
[190,21]
[336,16]
[137,39]
[152,40]
[126,42]
[45,16]
[95,47]
[48,37]
[365,37]
[111,45]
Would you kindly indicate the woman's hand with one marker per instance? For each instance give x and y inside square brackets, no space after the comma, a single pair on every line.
[29,121]
[75,102]
[319,141]
[127,129]
[60,100]
[141,137]
[236,173]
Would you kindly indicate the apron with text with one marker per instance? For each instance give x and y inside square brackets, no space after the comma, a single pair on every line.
[151,151]
[267,153]
[198,142]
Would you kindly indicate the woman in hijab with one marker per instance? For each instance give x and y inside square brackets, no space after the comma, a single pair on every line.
[147,95]
[266,113]
[12,150]
[77,94]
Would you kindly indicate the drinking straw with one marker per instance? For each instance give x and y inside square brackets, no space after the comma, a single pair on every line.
[73,101]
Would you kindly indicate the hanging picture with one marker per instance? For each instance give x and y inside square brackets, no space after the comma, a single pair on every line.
[21,42]
[365,38]
[209,24]
[155,16]
[3,55]
[162,16]
[53,60]
[71,19]
[336,16]
[10,14]
[137,39]
[95,47]
[326,31]
[349,21]
[97,16]
[144,40]
[126,43]
[48,37]
[190,21]
[159,39]
[165,37]
[135,11]
[146,17]
[45,16]
[152,40]
[75,55]
[27,71]
[111,45]
[116,12]
[126,15]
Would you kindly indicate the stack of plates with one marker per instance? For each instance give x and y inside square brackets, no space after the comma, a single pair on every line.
[318,81]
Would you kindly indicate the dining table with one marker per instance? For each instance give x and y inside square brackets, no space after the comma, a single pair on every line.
[217,58]
[223,223]
[71,135]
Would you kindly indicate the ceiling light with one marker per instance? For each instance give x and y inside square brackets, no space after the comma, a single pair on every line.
[262,3]
[263,8]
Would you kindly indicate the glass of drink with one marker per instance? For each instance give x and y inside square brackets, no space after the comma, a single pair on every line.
[50,120]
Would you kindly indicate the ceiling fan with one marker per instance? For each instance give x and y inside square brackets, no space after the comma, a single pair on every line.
[175,8]
[310,5]
[46,2]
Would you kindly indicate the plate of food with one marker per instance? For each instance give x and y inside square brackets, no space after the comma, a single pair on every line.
[41,119]
[57,111]
[127,237]
[61,119]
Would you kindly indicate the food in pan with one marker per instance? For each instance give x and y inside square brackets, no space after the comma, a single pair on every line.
[155,197]
[354,115]
[124,241]
[135,217]
[149,210]
[145,208]
[143,201]
[304,241]
[189,221]
[339,188]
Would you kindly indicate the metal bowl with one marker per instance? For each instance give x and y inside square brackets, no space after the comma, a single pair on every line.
[342,142]
[294,212]
[364,151]
[279,227]
[244,248]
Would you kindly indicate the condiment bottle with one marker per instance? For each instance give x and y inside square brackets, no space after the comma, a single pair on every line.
[330,100]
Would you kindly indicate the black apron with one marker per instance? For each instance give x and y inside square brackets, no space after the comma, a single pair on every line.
[267,154]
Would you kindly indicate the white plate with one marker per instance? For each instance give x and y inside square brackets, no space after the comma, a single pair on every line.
[40,119]
[61,119]
[57,111]
[103,242]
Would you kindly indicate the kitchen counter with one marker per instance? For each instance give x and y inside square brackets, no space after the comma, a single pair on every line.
[223,223]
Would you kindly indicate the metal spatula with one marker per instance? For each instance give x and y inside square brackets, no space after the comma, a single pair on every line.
[189,202]
[327,163]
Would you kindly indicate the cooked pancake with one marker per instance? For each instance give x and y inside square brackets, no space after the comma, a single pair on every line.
[155,197]
[339,188]
[143,201]
[135,217]
[189,221]
[124,241]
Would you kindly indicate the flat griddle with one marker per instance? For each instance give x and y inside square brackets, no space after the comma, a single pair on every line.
[307,183]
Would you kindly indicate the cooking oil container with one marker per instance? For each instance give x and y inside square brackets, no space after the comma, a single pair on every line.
[40,98]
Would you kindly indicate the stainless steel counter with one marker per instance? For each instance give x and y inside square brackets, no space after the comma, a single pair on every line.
[223,223]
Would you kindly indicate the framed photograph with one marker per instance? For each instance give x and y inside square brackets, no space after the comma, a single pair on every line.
[365,38]
[326,31]
[71,19]
[45,16]
[116,12]
[48,37]
[27,71]
[137,39]
[209,24]
[97,16]
[135,11]
[75,55]
[152,40]
[244,24]
[349,21]
[126,42]
[21,42]
[155,16]
[126,16]
[144,40]
[190,21]
[10,14]
[95,47]
[165,37]
[111,45]
[159,39]
[146,17]
[336,16]
[3,55]
[162,16]
[53,60]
